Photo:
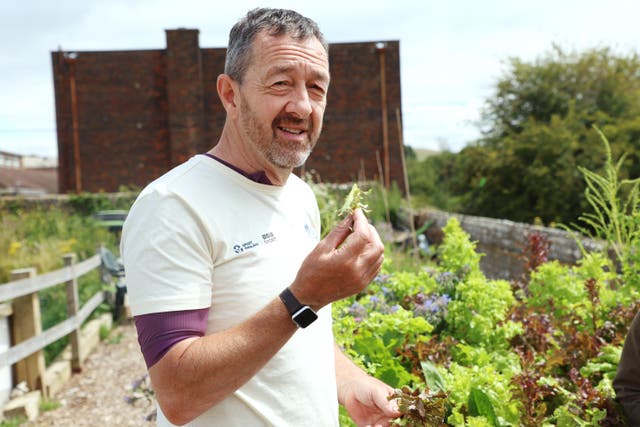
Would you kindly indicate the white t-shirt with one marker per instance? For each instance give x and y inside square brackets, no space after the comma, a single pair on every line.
[204,235]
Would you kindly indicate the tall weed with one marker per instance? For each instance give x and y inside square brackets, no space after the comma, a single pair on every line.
[616,212]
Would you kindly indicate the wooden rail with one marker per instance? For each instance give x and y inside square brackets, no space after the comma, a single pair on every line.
[28,339]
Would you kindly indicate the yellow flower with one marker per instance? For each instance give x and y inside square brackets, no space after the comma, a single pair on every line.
[13,247]
[66,246]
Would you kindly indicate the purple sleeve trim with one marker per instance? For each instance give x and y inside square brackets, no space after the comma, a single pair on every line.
[158,332]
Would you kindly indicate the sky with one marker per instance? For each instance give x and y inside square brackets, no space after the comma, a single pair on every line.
[452,52]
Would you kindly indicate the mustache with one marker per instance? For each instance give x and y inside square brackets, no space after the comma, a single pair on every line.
[285,120]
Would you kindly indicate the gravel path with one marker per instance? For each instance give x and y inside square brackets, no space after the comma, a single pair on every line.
[105,392]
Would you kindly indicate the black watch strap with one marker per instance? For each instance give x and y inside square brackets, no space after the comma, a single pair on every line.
[290,301]
[302,315]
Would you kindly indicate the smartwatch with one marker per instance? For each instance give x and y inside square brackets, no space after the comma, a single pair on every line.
[302,315]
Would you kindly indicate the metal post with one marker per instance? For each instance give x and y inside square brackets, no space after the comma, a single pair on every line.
[380,47]
[70,59]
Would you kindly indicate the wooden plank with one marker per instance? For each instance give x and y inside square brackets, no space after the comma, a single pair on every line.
[6,310]
[83,267]
[27,354]
[26,348]
[20,287]
[27,323]
[72,310]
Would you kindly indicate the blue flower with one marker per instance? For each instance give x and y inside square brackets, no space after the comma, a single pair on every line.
[358,311]
[382,278]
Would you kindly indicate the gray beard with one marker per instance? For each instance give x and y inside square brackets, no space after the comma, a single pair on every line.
[280,154]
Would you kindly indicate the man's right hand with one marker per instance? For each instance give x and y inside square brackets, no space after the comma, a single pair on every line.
[342,264]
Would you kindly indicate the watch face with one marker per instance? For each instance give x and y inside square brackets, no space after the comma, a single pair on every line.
[304,317]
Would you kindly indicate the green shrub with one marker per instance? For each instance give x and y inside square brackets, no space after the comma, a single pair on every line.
[38,238]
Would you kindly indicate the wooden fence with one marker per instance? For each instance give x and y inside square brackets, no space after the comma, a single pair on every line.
[28,339]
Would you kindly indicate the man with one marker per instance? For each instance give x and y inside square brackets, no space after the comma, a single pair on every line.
[627,380]
[229,286]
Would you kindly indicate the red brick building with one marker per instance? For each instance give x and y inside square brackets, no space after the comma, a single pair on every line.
[126,117]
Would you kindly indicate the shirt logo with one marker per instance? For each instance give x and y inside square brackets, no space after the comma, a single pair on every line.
[245,246]
[310,232]
[268,237]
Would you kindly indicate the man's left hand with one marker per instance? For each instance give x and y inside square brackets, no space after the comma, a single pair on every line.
[365,399]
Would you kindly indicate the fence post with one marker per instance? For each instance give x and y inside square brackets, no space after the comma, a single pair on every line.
[6,378]
[72,310]
[27,323]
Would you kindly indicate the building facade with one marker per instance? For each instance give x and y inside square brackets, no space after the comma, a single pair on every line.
[126,117]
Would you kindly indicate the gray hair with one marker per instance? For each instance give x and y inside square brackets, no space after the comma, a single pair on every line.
[277,22]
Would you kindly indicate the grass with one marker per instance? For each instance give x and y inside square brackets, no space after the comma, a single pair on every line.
[13,422]
[49,405]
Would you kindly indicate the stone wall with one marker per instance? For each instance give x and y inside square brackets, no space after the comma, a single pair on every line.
[502,241]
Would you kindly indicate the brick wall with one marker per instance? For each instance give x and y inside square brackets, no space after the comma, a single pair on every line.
[126,117]
[122,122]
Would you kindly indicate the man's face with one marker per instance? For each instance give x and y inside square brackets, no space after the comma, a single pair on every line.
[283,97]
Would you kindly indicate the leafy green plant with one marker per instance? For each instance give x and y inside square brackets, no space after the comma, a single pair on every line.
[354,200]
[545,358]
[420,407]
[532,393]
[615,202]
[457,254]
[562,289]
[479,306]
[481,392]
[480,405]
[478,312]
[377,339]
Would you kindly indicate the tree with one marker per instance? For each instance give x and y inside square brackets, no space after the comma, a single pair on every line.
[430,180]
[538,128]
